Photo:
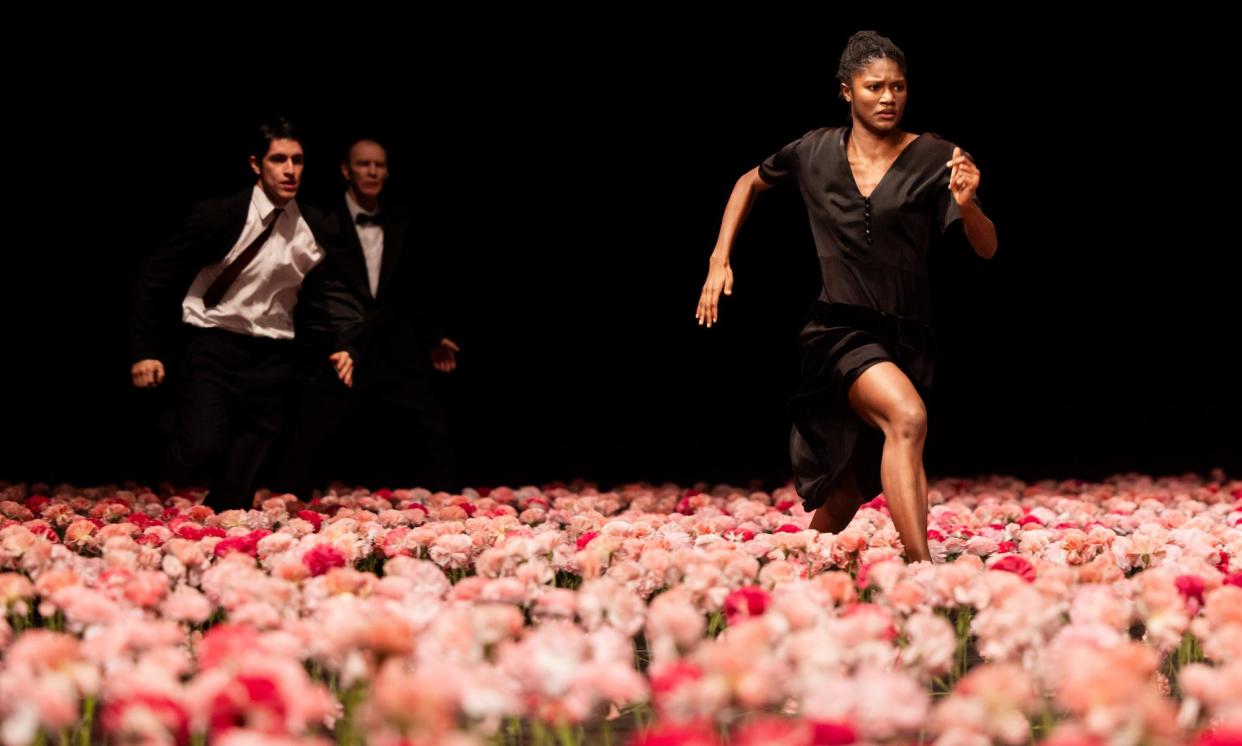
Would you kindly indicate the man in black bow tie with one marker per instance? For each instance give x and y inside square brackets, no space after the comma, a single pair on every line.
[399,344]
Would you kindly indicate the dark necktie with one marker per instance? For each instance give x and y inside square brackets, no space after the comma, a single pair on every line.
[230,273]
[367,219]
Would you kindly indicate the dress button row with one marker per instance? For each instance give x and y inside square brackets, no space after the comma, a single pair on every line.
[867,217]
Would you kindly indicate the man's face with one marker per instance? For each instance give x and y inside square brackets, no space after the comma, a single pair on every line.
[367,168]
[280,171]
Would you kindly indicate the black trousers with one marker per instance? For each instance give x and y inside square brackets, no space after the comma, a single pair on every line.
[386,431]
[231,403]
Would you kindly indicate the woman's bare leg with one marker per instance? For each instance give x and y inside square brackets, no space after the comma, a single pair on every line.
[885,398]
[842,503]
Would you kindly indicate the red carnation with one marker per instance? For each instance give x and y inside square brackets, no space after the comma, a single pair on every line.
[171,715]
[1220,737]
[323,557]
[879,503]
[1017,565]
[262,694]
[670,677]
[246,543]
[745,602]
[189,531]
[313,518]
[1191,587]
[832,733]
[142,520]
[42,529]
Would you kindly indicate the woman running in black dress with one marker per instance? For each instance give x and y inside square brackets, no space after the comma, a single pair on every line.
[874,195]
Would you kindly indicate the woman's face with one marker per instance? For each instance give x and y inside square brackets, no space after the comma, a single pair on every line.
[877,95]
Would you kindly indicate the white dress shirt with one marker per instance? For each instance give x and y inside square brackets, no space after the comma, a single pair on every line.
[261,299]
[371,236]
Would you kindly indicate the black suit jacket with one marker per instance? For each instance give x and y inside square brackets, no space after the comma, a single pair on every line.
[328,312]
[398,327]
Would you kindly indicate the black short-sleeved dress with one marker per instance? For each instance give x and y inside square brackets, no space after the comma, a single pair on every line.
[875,304]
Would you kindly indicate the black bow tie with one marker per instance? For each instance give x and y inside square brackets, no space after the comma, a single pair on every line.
[367,219]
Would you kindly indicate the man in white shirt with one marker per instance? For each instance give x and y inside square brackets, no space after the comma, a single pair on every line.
[238,269]
[398,345]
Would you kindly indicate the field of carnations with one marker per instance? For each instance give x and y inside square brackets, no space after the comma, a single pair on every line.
[1056,612]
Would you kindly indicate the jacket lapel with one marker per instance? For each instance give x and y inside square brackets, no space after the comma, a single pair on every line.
[394,243]
[236,209]
[354,261]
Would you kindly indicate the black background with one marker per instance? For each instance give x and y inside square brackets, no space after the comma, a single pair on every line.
[571,184]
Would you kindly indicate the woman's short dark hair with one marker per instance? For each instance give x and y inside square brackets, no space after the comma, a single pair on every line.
[861,49]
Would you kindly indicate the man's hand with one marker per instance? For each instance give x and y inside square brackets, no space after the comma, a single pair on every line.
[444,355]
[147,373]
[344,365]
